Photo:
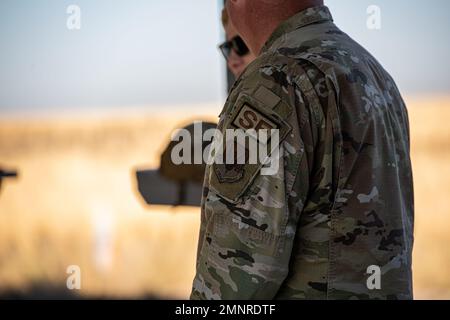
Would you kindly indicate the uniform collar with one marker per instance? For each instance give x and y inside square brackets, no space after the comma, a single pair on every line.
[300,20]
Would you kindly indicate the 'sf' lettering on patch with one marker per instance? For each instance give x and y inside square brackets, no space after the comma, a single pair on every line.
[249,118]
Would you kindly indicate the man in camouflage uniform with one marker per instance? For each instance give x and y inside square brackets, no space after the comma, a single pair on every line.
[342,199]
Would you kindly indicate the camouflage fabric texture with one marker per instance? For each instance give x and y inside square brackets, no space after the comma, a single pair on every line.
[342,199]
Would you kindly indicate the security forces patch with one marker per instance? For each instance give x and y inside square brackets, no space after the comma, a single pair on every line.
[251,115]
[249,118]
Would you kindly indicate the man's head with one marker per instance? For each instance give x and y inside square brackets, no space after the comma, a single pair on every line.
[255,21]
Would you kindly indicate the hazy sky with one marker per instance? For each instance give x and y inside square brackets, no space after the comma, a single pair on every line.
[164,52]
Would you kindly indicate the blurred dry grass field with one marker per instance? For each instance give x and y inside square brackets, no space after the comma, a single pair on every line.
[430,135]
[76,177]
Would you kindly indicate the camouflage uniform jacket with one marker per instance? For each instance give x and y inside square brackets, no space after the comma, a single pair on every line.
[342,199]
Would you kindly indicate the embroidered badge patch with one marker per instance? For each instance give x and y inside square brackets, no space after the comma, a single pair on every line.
[249,118]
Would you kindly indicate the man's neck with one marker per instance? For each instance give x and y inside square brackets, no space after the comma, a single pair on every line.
[263,31]
[262,36]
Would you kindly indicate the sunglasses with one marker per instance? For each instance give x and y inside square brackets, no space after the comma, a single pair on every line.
[237,45]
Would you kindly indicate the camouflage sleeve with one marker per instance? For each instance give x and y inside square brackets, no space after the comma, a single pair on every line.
[249,219]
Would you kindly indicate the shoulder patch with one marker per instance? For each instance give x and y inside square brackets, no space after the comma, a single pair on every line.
[250,118]
[250,113]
